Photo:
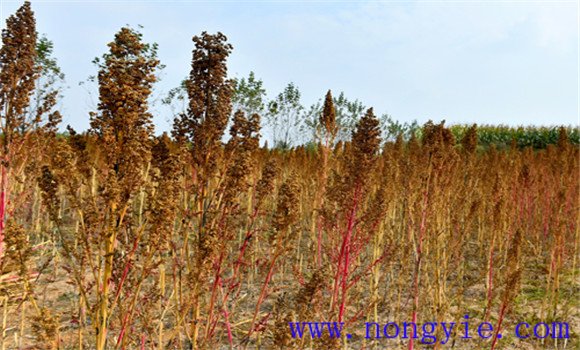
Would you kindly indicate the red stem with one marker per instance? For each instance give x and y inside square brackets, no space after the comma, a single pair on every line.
[501,315]
[263,292]
[228,326]
[3,185]
[216,281]
[249,234]
[126,270]
[346,251]
[123,329]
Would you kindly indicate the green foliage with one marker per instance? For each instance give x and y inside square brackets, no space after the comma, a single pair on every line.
[249,95]
[176,98]
[391,128]
[45,59]
[537,137]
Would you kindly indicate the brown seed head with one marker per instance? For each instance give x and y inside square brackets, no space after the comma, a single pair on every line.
[210,103]
[18,69]
[365,146]
[328,116]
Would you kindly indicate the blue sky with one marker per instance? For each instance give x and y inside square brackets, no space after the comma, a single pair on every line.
[509,62]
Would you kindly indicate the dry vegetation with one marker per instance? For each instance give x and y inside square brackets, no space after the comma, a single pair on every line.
[115,238]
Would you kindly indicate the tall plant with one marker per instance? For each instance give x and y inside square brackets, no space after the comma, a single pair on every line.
[18,72]
[203,126]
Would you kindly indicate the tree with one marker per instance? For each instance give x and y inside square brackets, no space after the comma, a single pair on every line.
[249,95]
[176,99]
[48,86]
[285,116]
[391,128]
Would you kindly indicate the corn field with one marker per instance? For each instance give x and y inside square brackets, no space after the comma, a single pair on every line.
[115,238]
